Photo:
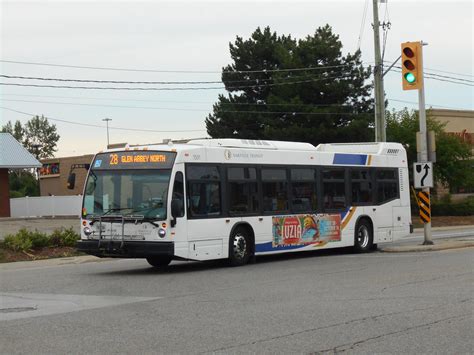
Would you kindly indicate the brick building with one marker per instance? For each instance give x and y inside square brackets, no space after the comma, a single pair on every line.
[55,171]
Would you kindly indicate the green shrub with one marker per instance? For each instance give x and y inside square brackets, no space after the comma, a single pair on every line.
[464,208]
[26,240]
[38,239]
[19,241]
[64,238]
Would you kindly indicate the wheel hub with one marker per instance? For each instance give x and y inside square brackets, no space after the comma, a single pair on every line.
[240,246]
[363,237]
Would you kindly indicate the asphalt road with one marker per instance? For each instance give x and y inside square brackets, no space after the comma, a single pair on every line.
[318,302]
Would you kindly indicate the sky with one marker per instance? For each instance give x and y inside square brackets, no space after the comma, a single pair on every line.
[189,41]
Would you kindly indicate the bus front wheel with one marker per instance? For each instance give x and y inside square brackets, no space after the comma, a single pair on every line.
[158,261]
[239,247]
[364,238]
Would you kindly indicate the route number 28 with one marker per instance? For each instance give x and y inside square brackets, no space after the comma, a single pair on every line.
[113,159]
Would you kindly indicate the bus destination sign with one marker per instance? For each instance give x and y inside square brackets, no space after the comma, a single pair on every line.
[134,159]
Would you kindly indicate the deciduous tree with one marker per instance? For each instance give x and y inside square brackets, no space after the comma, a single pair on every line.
[453,166]
[38,136]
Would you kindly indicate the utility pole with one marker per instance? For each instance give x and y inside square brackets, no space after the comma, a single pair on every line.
[107,124]
[380,135]
[423,141]
[412,79]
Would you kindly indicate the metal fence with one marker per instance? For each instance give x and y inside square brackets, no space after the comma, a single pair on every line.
[46,206]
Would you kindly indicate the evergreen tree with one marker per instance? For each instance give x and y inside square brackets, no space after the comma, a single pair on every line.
[284,89]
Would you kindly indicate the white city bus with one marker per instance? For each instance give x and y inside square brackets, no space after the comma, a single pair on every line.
[236,199]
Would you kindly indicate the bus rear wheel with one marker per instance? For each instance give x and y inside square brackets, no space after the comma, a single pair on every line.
[363,238]
[159,261]
[239,247]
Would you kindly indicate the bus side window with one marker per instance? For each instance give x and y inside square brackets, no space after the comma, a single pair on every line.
[387,185]
[204,191]
[275,190]
[178,191]
[242,190]
[334,194]
[361,184]
[303,189]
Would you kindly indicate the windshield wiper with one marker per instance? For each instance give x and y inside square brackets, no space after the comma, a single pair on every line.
[144,219]
[115,210]
[151,221]
[108,212]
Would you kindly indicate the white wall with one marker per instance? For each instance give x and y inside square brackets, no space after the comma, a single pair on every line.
[46,206]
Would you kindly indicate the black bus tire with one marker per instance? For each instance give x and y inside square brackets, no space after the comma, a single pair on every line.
[239,247]
[363,236]
[159,261]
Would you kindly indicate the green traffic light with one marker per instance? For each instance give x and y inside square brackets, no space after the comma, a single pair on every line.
[410,78]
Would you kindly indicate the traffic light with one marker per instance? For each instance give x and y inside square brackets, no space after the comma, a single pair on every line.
[412,70]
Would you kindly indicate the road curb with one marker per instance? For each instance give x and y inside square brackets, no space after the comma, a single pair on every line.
[464,226]
[458,244]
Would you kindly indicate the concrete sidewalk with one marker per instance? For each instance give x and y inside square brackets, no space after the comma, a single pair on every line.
[440,244]
[44,225]
[444,238]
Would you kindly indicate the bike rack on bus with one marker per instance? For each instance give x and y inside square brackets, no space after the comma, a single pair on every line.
[122,220]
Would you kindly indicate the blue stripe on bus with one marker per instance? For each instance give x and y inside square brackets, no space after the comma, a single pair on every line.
[350,159]
[343,214]
[263,247]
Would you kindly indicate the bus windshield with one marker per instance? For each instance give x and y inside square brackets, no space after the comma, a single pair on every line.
[127,192]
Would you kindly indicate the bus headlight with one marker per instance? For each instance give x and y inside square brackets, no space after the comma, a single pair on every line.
[87,231]
[162,232]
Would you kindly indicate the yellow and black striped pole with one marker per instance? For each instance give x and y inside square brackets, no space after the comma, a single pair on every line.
[425,206]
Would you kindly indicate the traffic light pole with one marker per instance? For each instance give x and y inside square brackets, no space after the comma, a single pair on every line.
[380,135]
[423,142]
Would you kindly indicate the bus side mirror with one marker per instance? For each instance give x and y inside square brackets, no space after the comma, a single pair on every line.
[71,181]
[177,210]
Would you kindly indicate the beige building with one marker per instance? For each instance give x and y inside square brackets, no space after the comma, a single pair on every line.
[55,171]
[459,123]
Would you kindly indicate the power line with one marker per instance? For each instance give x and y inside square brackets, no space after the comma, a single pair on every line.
[435,77]
[111,81]
[169,71]
[102,105]
[258,104]
[239,87]
[112,88]
[449,72]
[110,99]
[441,76]
[245,81]
[441,71]
[362,25]
[99,126]
[431,105]
[192,110]
[385,27]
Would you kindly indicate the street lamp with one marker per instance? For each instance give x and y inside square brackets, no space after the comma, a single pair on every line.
[36,145]
[107,124]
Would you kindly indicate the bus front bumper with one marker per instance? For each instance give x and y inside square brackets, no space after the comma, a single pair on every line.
[125,249]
